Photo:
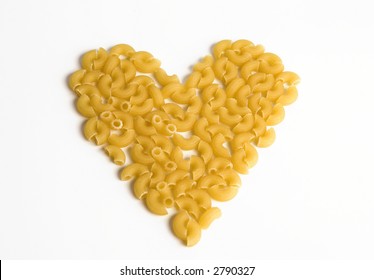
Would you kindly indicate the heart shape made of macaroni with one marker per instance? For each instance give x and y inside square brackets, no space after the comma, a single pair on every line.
[226,108]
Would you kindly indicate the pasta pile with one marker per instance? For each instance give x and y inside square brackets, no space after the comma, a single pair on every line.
[228,104]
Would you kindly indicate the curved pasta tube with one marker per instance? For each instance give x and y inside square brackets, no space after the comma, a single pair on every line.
[270,63]
[96,131]
[200,128]
[289,96]
[193,233]
[107,117]
[89,128]
[98,105]
[139,156]
[194,105]
[254,103]
[240,139]
[234,108]
[251,155]
[186,124]
[215,129]
[234,86]
[182,186]
[115,154]
[173,110]
[76,78]
[276,116]
[260,82]
[231,177]
[238,58]
[84,107]
[141,185]
[266,107]
[88,90]
[163,142]
[227,118]
[156,95]
[242,95]
[143,127]
[217,146]
[259,126]
[275,92]
[210,181]
[133,170]
[146,142]
[205,78]
[197,167]
[249,68]
[201,197]
[266,139]
[245,124]
[171,89]
[288,78]
[163,78]
[88,59]
[91,78]
[158,173]
[170,166]
[218,164]
[220,48]
[154,203]
[168,129]
[128,70]
[159,155]
[142,109]
[118,78]
[225,70]
[214,95]
[111,63]
[179,224]
[209,216]
[205,151]
[186,143]
[223,193]
[122,50]
[125,92]
[177,156]
[208,113]
[126,119]
[140,96]
[183,97]
[145,62]
[189,205]
[238,160]
[206,62]
[122,140]
[176,176]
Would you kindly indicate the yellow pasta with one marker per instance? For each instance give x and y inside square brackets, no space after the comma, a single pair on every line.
[133,170]
[227,107]
[141,185]
[197,167]
[209,216]
[84,106]
[154,203]
[186,143]
[116,154]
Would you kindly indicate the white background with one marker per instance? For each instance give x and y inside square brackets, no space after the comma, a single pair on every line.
[311,195]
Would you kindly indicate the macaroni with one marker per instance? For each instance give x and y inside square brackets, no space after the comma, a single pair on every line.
[227,107]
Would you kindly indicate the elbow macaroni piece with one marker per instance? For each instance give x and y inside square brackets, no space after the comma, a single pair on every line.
[234,96]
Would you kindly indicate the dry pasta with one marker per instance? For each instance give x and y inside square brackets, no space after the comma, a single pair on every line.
[222,113]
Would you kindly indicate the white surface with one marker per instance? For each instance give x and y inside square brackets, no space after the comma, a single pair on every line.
[311,194]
